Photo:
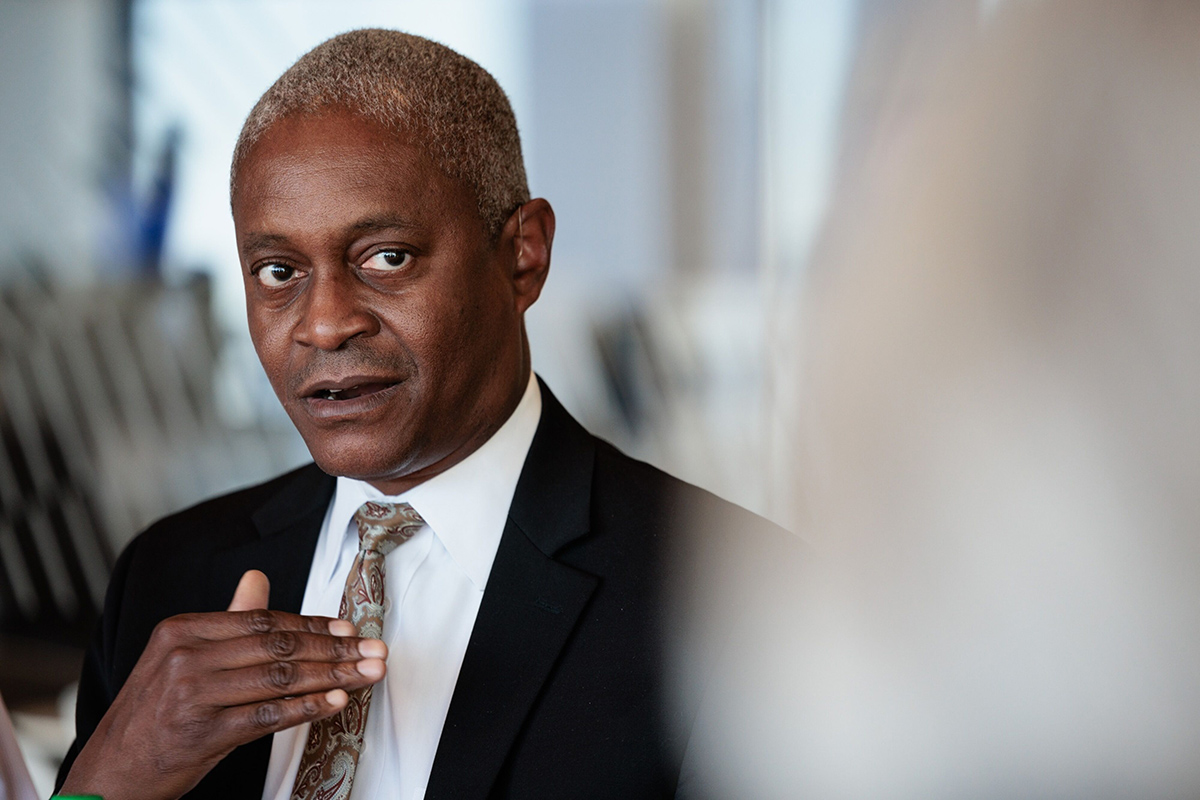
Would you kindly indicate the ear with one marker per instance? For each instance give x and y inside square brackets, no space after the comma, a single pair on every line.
[529,232]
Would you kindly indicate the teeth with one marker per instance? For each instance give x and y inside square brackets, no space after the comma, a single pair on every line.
[335,394]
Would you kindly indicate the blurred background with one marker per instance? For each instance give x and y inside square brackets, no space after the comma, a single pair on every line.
[915,278]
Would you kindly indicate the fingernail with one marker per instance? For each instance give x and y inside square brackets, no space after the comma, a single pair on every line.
[371,668]
[372,648]
[339,627]
[337,698]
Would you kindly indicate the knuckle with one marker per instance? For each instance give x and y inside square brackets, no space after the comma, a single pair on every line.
[281,674]
[259,620]
[193,728]
[345,649]
[169,630]
[178,662]
[309,708]
[186,722]
[281,644]
[267,715]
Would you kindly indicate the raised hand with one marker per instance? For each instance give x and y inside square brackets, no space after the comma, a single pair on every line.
[207,683]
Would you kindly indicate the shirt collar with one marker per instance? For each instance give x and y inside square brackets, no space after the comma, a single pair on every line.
[467,505]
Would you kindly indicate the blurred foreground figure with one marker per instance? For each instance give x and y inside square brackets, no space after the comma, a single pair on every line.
[1001,429]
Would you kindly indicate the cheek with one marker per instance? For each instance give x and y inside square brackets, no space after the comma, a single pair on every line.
[475,331]
[436,339]
[269,342]
[446,327]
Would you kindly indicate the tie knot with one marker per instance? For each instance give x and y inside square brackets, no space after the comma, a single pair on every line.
[384,526]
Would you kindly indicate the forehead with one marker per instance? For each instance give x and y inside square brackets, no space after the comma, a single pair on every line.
[331,163]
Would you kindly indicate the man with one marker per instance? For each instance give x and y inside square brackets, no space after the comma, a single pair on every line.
[390,249]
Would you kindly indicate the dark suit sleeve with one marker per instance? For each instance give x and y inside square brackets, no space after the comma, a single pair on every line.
[97,683]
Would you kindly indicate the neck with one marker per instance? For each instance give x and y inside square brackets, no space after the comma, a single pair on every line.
[394,485]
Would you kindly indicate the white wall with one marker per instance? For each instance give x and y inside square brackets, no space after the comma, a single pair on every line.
[61,115]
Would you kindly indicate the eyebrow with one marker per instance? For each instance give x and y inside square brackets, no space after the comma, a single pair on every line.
[371,224]
[264,241]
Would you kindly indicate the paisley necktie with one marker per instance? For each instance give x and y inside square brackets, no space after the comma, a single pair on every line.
[335,743]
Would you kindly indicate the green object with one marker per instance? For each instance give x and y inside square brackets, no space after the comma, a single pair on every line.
[76,797]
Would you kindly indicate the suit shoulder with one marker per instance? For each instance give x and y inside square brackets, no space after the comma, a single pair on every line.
[214,516]
[681,505]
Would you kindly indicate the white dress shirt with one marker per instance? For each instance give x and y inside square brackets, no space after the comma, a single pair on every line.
[433,585]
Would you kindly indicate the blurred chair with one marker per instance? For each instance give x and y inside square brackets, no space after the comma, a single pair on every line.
[108,420]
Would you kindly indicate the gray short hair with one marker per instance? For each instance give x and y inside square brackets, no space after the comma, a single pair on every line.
[453,106]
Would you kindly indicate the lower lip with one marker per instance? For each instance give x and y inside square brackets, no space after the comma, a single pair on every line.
[320,408]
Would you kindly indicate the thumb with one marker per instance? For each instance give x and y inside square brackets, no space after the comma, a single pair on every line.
[252,592]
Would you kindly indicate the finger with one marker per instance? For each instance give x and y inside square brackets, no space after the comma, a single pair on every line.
[287,645]
[253,591]
[247,723]
[281,679]
[217,625]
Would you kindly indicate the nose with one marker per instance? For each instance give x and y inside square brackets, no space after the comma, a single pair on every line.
[334,311]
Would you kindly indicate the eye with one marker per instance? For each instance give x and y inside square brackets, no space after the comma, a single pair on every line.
[388,260]
[273,275]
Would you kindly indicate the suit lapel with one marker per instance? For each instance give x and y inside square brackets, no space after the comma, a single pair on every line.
[285,531]
[530,608]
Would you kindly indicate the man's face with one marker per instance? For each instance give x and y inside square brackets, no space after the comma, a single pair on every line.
[385,318]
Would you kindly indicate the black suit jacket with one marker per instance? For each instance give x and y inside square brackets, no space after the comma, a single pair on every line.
[562,691]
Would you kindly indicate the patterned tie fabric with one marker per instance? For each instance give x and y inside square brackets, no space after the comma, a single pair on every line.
[334,744]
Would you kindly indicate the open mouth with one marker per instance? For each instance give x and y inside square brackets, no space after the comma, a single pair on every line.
[351,392]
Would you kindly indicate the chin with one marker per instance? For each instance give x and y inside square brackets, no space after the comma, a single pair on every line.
[356,456]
